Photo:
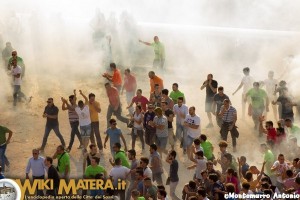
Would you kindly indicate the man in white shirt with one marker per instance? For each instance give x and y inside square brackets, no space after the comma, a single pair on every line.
[119,172]
[192,123]
[246,83]
[37,166]
[16,72]
[271,85]
[279,168]
[180,111]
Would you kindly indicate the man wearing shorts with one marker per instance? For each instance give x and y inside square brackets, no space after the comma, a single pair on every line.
[211,89]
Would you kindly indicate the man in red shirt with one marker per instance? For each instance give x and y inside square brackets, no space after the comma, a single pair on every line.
[130,87]
[139,100]
[270,131]
[114,106]
[155,80]
[116,78]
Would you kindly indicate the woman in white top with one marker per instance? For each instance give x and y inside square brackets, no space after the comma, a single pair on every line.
[137,129]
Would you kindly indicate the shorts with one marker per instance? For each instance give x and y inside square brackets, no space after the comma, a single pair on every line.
[189,141]
[161,142]
[208,106]
[85,131]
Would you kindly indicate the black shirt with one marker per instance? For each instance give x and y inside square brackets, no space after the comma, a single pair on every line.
[174,171]
[209,92]
[148,117]
[53,174]
[169,112]
[287,108]
[219,101]
[51,110]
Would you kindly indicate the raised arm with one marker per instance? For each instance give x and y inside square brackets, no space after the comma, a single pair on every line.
[85,98]
[146,43]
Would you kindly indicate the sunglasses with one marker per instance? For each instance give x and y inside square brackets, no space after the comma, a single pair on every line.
[49,101]
[34,153]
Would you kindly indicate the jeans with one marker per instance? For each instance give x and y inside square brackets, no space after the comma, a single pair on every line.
[96,132]
[181,134]
[158,178]
[173,186]
[129,189]
[233,132]
[2,156]
[56,131]
[129,96]
[39,192]
[117,113]
[150,136]
[137,133]
[18,94]
[74,131]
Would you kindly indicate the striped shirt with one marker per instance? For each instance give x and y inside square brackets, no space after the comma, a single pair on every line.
[229,114]
[73,117]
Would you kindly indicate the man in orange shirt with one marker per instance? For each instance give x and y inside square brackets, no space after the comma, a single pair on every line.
[114,106]
[116,78]
[155,80]
[94,107]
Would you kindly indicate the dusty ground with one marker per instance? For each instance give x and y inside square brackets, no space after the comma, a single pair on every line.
[28,125]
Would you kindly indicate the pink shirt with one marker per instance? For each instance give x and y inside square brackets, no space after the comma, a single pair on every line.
[142,101]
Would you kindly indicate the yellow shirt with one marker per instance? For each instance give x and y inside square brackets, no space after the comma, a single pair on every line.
[93,112]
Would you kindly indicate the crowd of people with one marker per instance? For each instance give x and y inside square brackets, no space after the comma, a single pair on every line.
[159,123]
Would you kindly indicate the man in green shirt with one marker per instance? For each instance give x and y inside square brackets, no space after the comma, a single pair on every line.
[269,158]
[119,154]
[14,55]
[294,131]
[176,93]
[92,170]
[3,144]
[258,98]
[207,147]
[63,162]
[159,51]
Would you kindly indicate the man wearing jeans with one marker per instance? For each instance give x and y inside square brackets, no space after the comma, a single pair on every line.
[16,72]
[114,106]
[180,111]
[51,113]
[37,166]
[173,174]
[3,144]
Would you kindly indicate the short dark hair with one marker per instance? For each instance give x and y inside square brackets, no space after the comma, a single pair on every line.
[201,191]
[153,146]
[196,141]
[61,147]
[213,177]
[161,187]
[71,96]
[144,160]
[92,145]
[139,90]
[200,153]
[118,145]
[223,143]
[246,185]
[49,159]
[91,95]
[106,84]
[164,102]
[132,152]
[165,91]
[192,184]
[287,120]
[220,88]
[289,173]
[127,70]
[228,156]
[269,123]
[80,102]
[162,193]
[96,159]
[118,161]
[113,65]
[203,137]
[175,84]
[180,98]
[112,120]
[173,153]
[246,69]
[248,175]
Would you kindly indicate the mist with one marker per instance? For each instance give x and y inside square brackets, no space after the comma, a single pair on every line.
[69,44]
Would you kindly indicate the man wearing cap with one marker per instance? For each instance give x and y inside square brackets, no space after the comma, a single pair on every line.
[51,113]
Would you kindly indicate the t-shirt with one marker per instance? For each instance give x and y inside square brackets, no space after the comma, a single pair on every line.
[93,111]
[114,135]
[117,78]
[201,165]
[159,50]
[295,131]
[161,121]
[130,83]
[51,110]
[122,155]
[73,117]
[209,92]
[174,95]
[220,186]
[174,171]
[271,135]
[248,83]
[156,80]
[280,170]
[270,86]
[269,158]
[142,101]
[257,97]
[148,117]
[64,160]
[138,117]
[152,192]
[118,172]
[219,101]
[134,165]
[207,149]
[14,71]
[195,120]
[19,61]
[3,131]
[286,106]
[183,109]
[84,115]
[92,171]
[169,112]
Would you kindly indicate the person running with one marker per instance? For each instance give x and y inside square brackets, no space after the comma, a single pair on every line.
[95,109]
[14,56]
[246,83]
[156,164]
[175,94]
[114,134]
[211,89]
[139,99]
[159,51]
[271,84]
[116,78]
[51,113]
[218,102]
[16,72]
[258,98]
[94,168]
[138,129]
[229,118]
[170,116]
[207,147]
[193,129]
[3,145]
[133,167]
[173,173]
[119,154]
[52,175]
[63,162]
[88,156]
[129,86]
[73,119]
[154,79]
[114,106]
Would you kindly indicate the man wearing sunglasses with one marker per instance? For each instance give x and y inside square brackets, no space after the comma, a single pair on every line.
[51,114]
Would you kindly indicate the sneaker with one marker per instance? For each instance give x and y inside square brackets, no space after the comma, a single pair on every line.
[210,125]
